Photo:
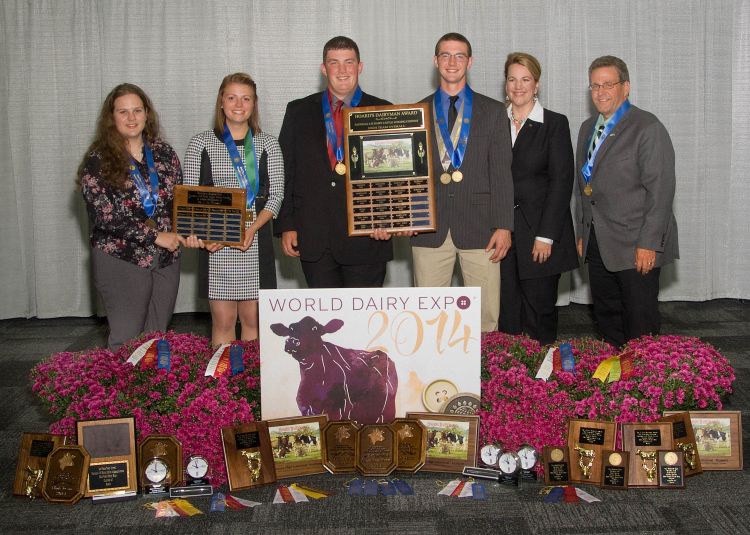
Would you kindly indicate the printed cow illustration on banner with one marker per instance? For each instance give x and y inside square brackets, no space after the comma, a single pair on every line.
[345,384]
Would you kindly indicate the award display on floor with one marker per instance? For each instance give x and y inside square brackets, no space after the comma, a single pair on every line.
[556,465]
[297,445]
[411,444]
[644,441]
[683,437]
[615,470]
[248,455]
[160,462]
[587,440]
[215,215]
[339,454]
[111,445]
[389,181]
[32,459]
[451,441]
[376,450]
[671,470]
[65,474]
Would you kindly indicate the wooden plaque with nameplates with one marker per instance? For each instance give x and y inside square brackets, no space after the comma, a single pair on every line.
[215,215]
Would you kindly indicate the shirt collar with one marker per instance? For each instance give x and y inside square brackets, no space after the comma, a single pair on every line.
[536,115]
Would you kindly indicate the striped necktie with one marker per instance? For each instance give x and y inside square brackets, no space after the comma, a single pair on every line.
[596,139]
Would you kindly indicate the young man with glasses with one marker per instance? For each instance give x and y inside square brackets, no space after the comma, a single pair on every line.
[471,156]
[625,225]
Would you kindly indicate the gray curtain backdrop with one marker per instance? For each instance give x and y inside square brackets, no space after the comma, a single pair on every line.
[689,63]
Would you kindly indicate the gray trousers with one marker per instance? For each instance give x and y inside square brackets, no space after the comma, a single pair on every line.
[136,300]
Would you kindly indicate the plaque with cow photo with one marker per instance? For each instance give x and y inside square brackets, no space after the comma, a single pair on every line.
[451,441]
[389,183]
[297,445]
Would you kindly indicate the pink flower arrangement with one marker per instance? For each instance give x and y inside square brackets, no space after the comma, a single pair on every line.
[181,402]
[669,373]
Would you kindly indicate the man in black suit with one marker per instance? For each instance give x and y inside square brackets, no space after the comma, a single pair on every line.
[313,220]
[471,153]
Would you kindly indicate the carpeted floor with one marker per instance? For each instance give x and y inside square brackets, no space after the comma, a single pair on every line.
[712,503]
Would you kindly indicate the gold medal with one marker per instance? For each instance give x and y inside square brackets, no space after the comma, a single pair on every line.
[340,168]
[150,223]
[588,190]
[445,178]
[457,176]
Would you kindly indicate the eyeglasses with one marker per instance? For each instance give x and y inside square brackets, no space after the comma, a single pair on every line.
[606,85]
[445,57]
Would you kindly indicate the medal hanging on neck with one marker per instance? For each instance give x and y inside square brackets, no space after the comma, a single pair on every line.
[149,199]
[247,173]
[445,142]
[588,167]
[336,142]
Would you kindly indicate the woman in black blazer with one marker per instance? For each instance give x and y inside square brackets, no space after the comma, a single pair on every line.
[543,239]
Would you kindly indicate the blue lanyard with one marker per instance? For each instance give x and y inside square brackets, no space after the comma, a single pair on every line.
[457,153]
[333,139]
[588,167]
[148,199]
[249,181]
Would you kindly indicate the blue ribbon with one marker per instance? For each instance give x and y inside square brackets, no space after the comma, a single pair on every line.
[333,139]
[588,167]
[249,181]
[457,153]
[148,198]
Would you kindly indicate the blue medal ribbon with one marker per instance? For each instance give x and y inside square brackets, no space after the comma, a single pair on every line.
[457,153]
[148,198]
[588,167]
[333,139]
[247,180]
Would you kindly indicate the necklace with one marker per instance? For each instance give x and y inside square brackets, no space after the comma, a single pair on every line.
[519,122]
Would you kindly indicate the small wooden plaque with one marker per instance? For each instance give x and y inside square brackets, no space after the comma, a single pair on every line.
[32,459]
[389,178]
[340,452]
[587,440]
[297,445]
[65,475]
[671,470]
[556,465]
[683,438]
[168,449]
[111,445]
[248,455]
[215,215]
[615,470]
[411,444]
[643,441]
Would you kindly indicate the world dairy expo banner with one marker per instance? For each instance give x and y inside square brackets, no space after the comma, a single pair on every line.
[368,354]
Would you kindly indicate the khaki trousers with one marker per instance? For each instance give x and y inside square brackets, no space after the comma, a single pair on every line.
[433,267]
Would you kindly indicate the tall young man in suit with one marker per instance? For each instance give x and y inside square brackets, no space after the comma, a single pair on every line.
[312,221]
[471,153]
[625,225]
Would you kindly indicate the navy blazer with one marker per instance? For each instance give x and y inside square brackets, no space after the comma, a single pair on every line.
[314,195]
[543,177]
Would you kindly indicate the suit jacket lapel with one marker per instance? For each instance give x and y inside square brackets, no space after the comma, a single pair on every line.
[611,138]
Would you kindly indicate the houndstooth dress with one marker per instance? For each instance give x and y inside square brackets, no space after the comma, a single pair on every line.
[234,275]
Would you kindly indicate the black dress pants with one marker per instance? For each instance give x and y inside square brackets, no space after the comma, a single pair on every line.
[326,272]
[626,303]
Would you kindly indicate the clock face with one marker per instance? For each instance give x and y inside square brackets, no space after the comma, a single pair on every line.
[508,463]
[528,457]
[489,454]
[156,471]
[197,467]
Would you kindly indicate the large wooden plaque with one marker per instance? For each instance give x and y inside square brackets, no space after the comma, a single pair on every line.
[248,455]
[32,458]
[587,440]
[339,454]
[644,441]
[389,179]
[297,445]
[376,450]
[215,215]
[111,445]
